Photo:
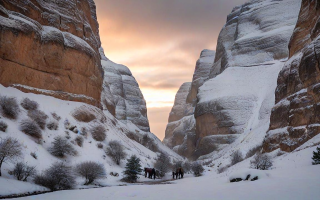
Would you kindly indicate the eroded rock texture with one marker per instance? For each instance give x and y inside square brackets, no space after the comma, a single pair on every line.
[180,131]
[296,116]
[121,95]
[237,92]
[51,47]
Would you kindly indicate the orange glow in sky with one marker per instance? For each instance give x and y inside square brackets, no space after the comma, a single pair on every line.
[160,41]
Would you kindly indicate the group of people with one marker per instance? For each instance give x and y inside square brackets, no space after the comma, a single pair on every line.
[152,172]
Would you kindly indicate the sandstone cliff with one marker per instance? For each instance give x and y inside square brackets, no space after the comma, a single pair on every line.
[238,92]
[51,47]
[295,117]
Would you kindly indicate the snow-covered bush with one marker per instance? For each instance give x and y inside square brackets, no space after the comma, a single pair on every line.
[79,140]
[261,161]
[116,151]
[90,171]
[133,169]
[28,104]
[83,115]
[197,169]
[222,169]
[10,149]
[30,127]
[236,157]
[98,133]
[100,145]
[55,116]
[133,136]
[53,125]
[39,117]
[22,171]
[316,157]
[9,107]
[57,177]
[163,164]
[253,151]
[3,126]
[186,166]
[61,147]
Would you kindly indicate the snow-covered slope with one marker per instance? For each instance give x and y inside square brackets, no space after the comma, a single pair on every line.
[293,177]
[116,130]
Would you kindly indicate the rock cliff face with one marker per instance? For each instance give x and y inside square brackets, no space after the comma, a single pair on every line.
[295,117]
[180,131]
[237,93]
[122,96]
[51,47]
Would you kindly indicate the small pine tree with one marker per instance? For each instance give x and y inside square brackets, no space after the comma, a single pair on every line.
[316,157]
[133,168]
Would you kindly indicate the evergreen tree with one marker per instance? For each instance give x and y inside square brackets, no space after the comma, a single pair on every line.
[133,169]
[316,157]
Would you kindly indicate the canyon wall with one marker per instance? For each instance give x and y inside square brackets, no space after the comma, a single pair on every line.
[237,93]
[295,118]
[51,47]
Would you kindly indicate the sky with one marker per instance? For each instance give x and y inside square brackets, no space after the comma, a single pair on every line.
[160,41]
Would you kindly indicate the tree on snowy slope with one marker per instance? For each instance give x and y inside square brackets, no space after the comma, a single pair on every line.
[133,168]
[10,149]
[316,157]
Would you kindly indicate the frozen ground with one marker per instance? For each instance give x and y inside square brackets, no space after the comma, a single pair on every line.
[293,177]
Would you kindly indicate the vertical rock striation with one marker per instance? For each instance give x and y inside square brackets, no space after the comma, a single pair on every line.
[295,117]
[121,94]
[51,47]
[237,92]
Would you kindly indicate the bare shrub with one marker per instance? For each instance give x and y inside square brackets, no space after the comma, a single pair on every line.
[83,115]
[22,171]
[253,151]
[261,161]
[53,125]
[55,116]
[30,127]
[98,133]
[28,104]
[79,140]
[163,164]
[9,107]
[39,117]
[236,157]
[61,147]
[100,145]
[84,132]
[222,169]
[34,155]
[10,149]
[186,166]
[116,151]
[149,143]
[57,177]
[3,126]
[133,136]
[197,169]
[90,171]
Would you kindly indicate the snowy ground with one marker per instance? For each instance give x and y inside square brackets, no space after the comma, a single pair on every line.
[293,177]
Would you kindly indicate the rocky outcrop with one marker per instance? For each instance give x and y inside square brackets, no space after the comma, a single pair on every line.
[295,117]
[121,94]
[237,92]
[51,47]
[180,131]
